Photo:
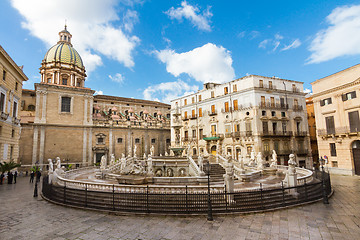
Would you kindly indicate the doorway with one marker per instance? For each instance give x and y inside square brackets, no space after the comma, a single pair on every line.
[98,157]
[213,150]
[356,156]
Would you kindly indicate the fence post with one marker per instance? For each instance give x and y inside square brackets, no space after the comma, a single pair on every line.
[306,195]
[86,187]
[147,198]
[64,192]
[261,196]
[113,197]
[226,204]
[283,193]
[186,194]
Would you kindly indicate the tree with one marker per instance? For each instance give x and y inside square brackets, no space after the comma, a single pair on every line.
[8,166]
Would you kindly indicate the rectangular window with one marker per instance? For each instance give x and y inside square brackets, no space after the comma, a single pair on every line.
[274,127]
[186,134]
[12,133]
[294,88]
[153,140]
[193,100]
[212,94]
[330,126]
[16,86]
[236,106]
[348,96]
[168,141]
[200,112]
[325,101]
[100,140]
[194,133]
[185,115]
[248,126]
[265,127]
[185,102]
[283,125]
[193,113]
[282,102]
[226,106]
[212,108]
[237,127]
[15,109]
[235,88]
[283,114]
[270,85]
[266,146]
[261,83]
[201,133]
[199,98]
[137,140]
[262,100]
[64,81]
[354,121]
[2,102]
[119,140]
[333,149]
[213,130]
[296,103]
[272,101]
[65,104]
[226,90]
[4,75]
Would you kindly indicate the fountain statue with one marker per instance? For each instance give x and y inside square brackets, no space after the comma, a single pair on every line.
[252,158]
[152,150]
[58,163]
[273,159]
[103,163]
[260,162]
[135,148]
[51,166]
[112,160]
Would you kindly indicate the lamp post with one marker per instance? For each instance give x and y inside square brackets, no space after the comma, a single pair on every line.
[209,216]
[325,197]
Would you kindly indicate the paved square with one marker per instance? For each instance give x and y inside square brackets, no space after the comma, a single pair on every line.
[25,217]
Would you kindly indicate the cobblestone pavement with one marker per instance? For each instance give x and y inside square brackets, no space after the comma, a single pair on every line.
[25,217]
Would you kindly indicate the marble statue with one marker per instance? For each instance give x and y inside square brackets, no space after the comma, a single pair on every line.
[144,157]
[122,155]
[273,159]
[135,148]
[170,172]
[152,150]
[166,154]
[182,172]
[201,163]
[260,161]
[122,163]
[112,159]
[252,158]
[51,166]
[150,166]
[241,160]
[103,162]
[188,150]
[172,154]
[58,163]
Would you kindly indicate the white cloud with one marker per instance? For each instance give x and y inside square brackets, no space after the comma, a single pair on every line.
[130,19]
[307,90]
[254,34]
[99,92]
[89,21]
[263,44]
[295,44]
[341,38]
[168,91]
[117,78]
[208,63]
[187,11]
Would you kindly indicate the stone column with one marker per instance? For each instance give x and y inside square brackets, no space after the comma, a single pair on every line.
[43,112]
[110,141]
[90,158]
[37,112]
[58,78]
[84,146]
[91,100]
[85,110]
[35,145]
[42,145]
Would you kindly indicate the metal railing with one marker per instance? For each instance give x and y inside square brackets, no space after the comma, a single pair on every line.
[186,202]
[268,105]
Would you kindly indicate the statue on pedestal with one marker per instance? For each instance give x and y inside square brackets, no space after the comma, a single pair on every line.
[112,159]
[252,158]
[103,163]
[58,163]
[273,159]
[172,154]
[150,166]
[135,148]
[51,166]
[201,163]
[152,150]
[260,162]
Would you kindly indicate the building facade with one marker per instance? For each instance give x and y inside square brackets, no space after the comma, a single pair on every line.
[62,118]
[253,112]
[12,78]
[312,130]
[337,104]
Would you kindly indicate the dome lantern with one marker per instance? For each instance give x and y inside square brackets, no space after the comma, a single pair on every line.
[65,36]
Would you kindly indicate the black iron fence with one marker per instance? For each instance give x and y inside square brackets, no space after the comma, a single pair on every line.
[189,203]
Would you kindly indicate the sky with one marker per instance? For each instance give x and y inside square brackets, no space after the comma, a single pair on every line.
[160,50]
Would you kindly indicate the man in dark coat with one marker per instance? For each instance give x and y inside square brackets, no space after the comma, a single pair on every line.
[10,177]
[15,176]
[38,175]
[32,174]
[1,177]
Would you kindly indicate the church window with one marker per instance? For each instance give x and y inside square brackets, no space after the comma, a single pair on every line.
[137,140]
[119,140]
[65,104]
[153,140]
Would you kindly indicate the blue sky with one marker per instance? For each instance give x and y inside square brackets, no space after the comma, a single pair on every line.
[159,50]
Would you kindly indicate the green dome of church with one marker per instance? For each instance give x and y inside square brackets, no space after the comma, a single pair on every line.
[63,52]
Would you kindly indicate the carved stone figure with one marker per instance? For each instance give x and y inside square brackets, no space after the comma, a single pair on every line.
[122,163]
[260,161]
[135,148]
[182,172]
[274,159]
[58,163]
[189,150]
[166,154]
[252,158]
[51,166]
[201,163]
[172,154]
[150,166]
[144,157]
[152,150]
[103,163]
[170,172]
[112,160]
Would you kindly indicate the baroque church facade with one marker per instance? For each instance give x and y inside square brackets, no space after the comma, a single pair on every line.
[62,118]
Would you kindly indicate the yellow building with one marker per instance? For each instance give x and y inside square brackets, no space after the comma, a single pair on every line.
[62,118]
[312,130]
[337,104]
[12,77]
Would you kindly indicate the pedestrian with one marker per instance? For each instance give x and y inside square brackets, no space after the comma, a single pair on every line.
[38,175]
[26,173]
[1,177]
[32,174]
[10,177]
[15,176]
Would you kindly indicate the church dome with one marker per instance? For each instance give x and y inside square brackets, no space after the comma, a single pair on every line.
[63,51]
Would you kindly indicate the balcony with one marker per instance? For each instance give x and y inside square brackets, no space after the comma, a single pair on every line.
[212,113]
[4,115]
[267,87]
[273,106]
[300,133]
[226,110]
[298,108]
[193,116]
[276,134]
[214,137]
[338,131]
[185,118]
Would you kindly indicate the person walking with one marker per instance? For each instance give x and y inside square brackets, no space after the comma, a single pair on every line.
[32,174]
[10,177]
[15,176]
[1,177]
[38,175]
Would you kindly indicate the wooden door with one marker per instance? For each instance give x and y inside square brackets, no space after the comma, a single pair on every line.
[356,157]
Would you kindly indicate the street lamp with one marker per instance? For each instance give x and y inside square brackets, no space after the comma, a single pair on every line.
[209,216]
[325,196]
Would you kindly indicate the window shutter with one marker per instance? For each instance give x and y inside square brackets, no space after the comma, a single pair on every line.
[330,101]
[354,121]
[322,103]
[353,94]
[344,98]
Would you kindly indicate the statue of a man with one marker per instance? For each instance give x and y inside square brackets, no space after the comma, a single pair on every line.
[103,162]
[152,150]
[51,166]
[149,166]
[112,159]
[274,159]
[135,148]
[260,161]
[58,163]
[201,163]
[252,158]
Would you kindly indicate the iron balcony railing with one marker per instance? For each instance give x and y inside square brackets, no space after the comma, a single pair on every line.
[276,133]
[268,105]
